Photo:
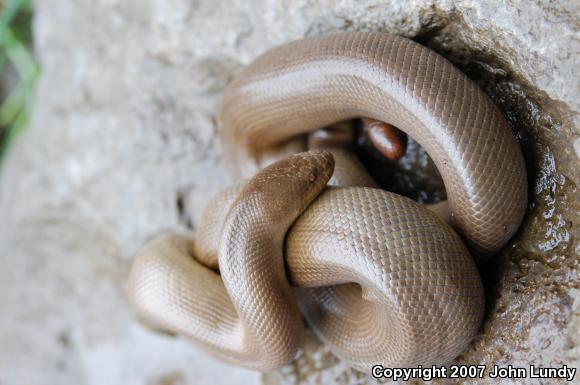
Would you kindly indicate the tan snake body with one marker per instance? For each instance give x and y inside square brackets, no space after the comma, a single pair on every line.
[382,279]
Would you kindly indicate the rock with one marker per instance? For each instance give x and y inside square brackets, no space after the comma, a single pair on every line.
[122,147]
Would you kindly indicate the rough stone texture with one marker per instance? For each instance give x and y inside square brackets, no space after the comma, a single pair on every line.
[122,147]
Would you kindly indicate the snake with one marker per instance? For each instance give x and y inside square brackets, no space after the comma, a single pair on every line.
[306,236]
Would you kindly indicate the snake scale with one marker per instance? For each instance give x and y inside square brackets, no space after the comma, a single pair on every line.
[379,277]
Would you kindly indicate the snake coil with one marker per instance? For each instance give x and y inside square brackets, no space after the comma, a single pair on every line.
[379,278]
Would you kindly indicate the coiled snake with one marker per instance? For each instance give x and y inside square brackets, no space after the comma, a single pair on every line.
[379,277]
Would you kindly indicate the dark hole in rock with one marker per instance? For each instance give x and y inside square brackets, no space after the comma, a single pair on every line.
[414,175]
[182,213]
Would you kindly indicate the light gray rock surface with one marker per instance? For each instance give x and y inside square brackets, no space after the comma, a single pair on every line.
[122,146]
